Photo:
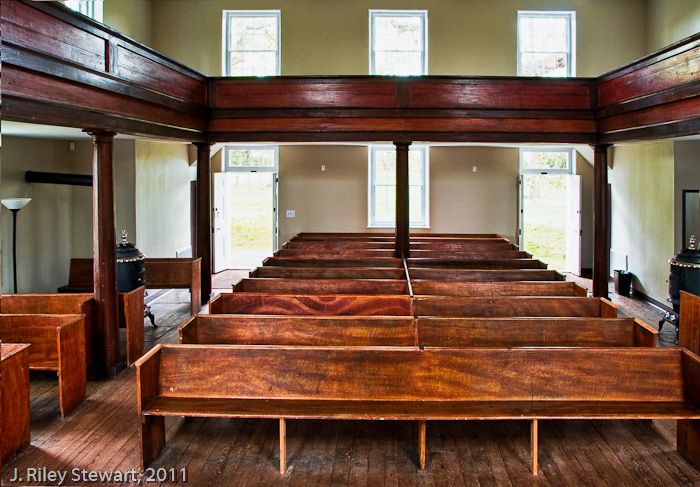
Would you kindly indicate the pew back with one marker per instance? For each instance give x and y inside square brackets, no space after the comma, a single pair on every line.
[311,304]
[493,307]
[513,288]
[298,330]
[321,286]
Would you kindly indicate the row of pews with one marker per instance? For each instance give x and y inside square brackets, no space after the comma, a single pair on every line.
[59,332]
[468,327]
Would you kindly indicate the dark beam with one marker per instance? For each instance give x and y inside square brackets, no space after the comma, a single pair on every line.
[107,357]
[203,217]
[402,207]
[601,231]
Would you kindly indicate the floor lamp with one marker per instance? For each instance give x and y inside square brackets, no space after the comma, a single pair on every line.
[14,205]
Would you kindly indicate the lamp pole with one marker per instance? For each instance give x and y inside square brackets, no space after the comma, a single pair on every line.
[14,205]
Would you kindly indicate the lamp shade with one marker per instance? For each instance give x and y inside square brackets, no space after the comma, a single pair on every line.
[15,203]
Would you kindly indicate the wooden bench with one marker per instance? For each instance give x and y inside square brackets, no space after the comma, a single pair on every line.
[185,273]
[328,272]
[299,330]
[321,286]
[130,316]
[390,262]
[14,400]
[342,253]
[311,304]
[514,288]
[486,275]
[58,344]
[534,332]
[414,263]
[408,384]
[513,306]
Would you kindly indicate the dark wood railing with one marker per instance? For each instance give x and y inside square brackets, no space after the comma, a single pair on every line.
[61,68]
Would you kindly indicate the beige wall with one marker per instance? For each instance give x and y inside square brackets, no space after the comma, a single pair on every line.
[162,199]
[124,202]
[461,201]
[642,202]
[133,18]
[670,21]
[43,226]
[465,37]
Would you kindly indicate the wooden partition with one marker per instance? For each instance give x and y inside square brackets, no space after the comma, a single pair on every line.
[14,400]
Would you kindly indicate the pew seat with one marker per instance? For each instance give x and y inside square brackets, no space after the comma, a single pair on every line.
[57,344]
[14,400]
[379,383]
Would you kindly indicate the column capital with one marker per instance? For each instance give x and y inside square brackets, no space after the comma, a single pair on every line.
[100,135]
[601,147]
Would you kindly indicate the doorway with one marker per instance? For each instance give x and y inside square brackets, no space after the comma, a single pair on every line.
[245,208]
[550,208]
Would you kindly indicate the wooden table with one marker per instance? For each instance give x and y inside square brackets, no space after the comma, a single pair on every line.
[14,399]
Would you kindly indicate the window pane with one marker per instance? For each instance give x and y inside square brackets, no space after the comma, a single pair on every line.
[545,160]
[251,158]
[398,43]
[545,43]
[253,44]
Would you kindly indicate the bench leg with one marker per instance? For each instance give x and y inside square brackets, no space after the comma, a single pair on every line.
[533,445]
[421,443]
[688,439]
[152,438]
[283,446]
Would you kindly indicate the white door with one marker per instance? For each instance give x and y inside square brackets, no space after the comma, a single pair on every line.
[222,223]
[573,224]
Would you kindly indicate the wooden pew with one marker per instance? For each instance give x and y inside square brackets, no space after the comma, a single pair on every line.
[415,254]
[513,288]
[130,316]
[389,262]
[534,332]
[299,330]
[311,304]
[513,306]
[415,263]
[183,273]
[321,286]
[14,400]
[322,245]
[328,272]
[486,275]
[409,384]
[57,343]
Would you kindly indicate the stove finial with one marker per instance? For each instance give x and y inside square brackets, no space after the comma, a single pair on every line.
[692,242]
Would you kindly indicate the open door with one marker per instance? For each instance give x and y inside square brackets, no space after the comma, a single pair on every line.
[573,224]
[222,223]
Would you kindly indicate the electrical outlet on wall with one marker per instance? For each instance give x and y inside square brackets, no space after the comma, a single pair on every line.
[291,213]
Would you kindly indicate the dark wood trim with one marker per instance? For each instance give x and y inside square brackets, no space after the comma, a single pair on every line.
[402,205]
[204,228]
[601,231]
[107,359]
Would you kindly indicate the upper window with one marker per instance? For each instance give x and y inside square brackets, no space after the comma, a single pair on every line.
[543,160]
[91,8]
[247,158]
[547,44]
[251,43]
[382,186]
[398,42]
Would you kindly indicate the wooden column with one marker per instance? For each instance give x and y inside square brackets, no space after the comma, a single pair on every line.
[601,232]
[203,217]
[402,213]
[106,356]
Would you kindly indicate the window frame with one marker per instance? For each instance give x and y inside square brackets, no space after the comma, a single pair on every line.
[93,9]
[422,14]
[568,170]
[570,16]
[228,148]
[424,222]
[226,51]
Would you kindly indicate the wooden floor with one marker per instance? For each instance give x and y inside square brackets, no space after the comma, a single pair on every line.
[102,436]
